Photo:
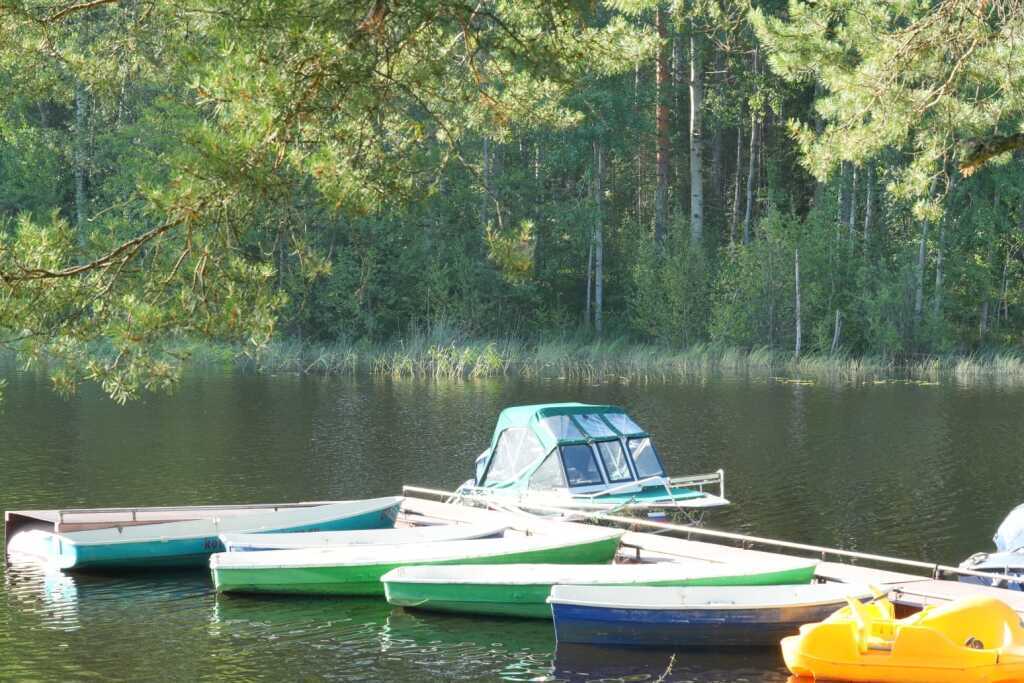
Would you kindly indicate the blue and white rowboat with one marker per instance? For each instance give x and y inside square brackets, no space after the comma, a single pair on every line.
[692,617]
[190,542]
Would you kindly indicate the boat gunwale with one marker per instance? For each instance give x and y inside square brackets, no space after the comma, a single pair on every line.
[70,537]
[696,607]
[574,503]
[236,561]
[248,540]
[474,576]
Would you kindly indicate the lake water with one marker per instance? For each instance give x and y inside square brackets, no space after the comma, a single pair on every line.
[918,471]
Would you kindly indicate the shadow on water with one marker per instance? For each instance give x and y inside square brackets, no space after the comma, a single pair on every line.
[577,663]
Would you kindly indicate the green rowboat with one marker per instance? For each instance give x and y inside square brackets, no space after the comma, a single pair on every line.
[522,590]
[357,570]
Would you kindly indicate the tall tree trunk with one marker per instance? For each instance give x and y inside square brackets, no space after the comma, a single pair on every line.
[599,238]
[661,116]
[851,218]
[844,195]
[752,166]
[751,178]
[81,133]
[590,279]
[837,330]
[679,181]
[1001,304]
[717,199]
[696,140]
[639,148]
[735,221]
[919,294]
[819,127]
[796,268]
[940,255]
[937,302]
[868,203]
[485,171]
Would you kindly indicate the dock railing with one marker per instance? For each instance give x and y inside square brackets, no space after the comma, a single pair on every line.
[937,569]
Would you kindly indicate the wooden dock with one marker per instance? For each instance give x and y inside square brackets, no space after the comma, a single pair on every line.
[911,591]
[913,586]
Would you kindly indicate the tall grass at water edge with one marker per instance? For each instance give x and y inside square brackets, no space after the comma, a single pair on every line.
[454,357]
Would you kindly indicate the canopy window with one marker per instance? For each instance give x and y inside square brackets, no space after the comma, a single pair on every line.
[562,428]
[580,466]
[623,423]
[517,449]
[646,459]
[595,427]
[549,475]
[614,460]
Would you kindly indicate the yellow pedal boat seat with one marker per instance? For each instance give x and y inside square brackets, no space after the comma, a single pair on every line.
[977,639]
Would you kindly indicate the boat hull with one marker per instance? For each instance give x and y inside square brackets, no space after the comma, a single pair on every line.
[691,628]
[163,550]
[364,578]
[529,600]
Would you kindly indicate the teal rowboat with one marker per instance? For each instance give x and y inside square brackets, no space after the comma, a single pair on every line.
[243,543]
[523,590]
[190,542]
[356,570]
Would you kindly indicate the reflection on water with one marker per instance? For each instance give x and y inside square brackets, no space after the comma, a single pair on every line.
[926,472]
[48,594]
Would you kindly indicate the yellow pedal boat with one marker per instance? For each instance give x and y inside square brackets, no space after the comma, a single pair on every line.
[970,640]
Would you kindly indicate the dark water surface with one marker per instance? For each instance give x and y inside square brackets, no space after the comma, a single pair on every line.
[921,471]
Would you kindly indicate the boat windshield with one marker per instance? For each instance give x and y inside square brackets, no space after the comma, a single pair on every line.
[646,459]
[614,459]
[580,466]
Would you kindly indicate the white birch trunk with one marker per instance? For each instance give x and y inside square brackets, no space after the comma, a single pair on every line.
[696,141]
[81,199]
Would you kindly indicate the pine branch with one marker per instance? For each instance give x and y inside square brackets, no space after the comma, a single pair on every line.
[57,16]
[980,151]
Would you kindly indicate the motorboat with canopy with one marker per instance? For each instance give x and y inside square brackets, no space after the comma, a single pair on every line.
[584,457]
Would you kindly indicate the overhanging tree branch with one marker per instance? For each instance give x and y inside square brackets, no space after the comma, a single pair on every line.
[124,251]
[981,151]
[57,16]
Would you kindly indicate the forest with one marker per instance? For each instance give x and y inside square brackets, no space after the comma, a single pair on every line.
[840,177]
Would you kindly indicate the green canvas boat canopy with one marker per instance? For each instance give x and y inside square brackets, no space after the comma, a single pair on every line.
[583,456]
[556,424]
[566,445]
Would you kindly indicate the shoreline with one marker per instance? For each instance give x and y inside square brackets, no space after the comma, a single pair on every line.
[618,359]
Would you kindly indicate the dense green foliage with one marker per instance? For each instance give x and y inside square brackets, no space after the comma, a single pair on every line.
[231,171]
